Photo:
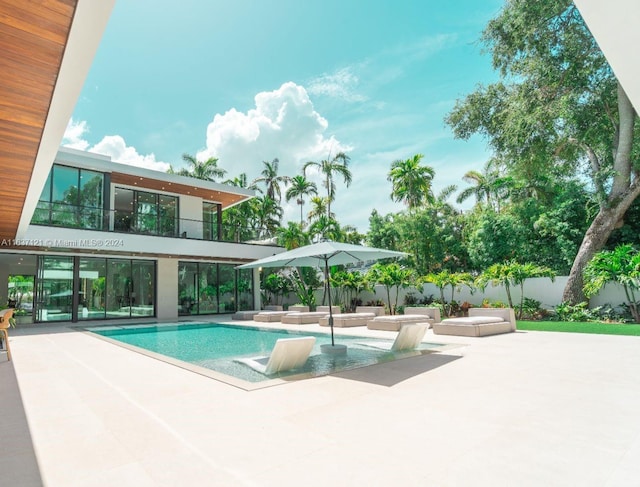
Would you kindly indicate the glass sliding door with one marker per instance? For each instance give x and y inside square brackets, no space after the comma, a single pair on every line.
[188,288]
[93,288]
[54,288]
[93,277]
[227,288]
[245,289]
[143,288]
[208,288]
[118,288]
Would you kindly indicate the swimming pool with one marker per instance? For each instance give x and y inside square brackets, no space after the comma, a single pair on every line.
[214,346]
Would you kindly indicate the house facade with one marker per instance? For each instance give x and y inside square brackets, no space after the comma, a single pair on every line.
[109,240]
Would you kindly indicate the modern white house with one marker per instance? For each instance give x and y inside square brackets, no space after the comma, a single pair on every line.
[109,240]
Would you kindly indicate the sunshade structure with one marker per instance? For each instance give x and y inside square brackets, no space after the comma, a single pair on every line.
[323,255]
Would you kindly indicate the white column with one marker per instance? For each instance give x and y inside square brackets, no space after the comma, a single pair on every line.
[167,285]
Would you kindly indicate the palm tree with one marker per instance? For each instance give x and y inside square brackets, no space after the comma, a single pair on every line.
[207,170]
[267,214]
[293,236]
[488,185]
[240,181]
[328,167]
[271,179]
[325,228]
[318,208]
[300,186]
[411,182]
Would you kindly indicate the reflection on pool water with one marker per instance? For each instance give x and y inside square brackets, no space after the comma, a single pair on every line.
[215,346]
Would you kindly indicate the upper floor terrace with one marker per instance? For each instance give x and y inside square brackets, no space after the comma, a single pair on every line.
[89,192]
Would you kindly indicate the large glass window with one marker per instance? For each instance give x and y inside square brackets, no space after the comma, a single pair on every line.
[90,288]
[143,288]
[145,212]
[188,288]
[227,288]
[54,288]
[93,278]
[207,288]
[168,215]
[71,197]
[210,221]
[245,289]
[119,287]
[123,206]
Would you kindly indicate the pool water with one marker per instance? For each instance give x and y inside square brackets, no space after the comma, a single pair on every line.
[215,346]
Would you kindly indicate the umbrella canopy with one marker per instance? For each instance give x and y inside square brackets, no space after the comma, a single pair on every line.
[319,254]
[323,255]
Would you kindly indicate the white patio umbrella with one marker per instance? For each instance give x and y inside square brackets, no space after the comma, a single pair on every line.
[324,254]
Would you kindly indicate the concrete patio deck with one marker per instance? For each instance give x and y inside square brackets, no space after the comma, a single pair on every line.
[522,409]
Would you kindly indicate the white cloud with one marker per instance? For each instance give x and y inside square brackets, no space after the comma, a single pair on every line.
[73,135]
[111,145]
[116,147]
[341,84]
[282,125]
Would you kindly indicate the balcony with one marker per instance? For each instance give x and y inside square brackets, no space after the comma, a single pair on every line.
[117,221]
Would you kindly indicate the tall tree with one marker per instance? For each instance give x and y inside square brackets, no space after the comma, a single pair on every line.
[267,215]
[300,187]
[292,236]
[207,170]
[558,107]
[319,207]
[488,186]
[339,165]
[272,181]
[411,182]
[325,228]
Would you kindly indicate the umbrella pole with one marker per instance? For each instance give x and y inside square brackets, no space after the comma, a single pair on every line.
[328,284]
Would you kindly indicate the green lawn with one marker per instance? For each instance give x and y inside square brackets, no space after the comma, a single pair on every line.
[581,327]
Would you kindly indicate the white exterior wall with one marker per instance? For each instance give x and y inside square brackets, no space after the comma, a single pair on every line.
[167,286]
[130,243]
[540,288]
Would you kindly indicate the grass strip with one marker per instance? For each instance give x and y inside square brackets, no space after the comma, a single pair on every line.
[596,327]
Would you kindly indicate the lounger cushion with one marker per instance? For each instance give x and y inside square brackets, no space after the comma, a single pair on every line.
[303,318]
[473,320]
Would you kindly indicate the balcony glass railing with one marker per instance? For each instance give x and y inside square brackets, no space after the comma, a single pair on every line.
[87,218]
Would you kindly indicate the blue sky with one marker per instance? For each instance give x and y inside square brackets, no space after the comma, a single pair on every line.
[250,80]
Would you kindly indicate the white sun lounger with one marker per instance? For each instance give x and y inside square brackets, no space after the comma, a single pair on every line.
[480,322]
[287,354]
[408,338]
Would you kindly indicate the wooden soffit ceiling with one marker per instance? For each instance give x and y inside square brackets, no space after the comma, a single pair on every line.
[226,199]
[33,37]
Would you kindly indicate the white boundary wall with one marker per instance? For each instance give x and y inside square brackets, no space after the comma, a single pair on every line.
[539,288]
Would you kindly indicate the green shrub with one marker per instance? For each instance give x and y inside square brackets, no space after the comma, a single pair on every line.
[579,312]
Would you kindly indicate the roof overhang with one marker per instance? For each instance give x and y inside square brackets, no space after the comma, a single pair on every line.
[47,49]
[614,24]
[144,178]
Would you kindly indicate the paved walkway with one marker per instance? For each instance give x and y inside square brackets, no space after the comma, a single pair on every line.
[523,409]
